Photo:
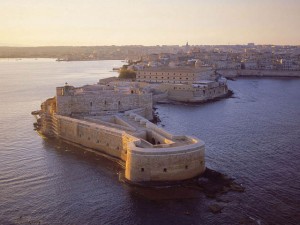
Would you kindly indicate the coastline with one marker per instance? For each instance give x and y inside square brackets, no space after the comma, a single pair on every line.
[72,180]
[229,94]
[258,73]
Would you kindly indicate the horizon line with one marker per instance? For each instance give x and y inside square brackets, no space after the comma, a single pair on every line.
[194,45]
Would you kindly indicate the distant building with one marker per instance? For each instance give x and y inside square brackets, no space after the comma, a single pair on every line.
[286,64]
[251,65]
[175,75]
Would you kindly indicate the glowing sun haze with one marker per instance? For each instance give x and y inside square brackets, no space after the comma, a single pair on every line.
[148,22]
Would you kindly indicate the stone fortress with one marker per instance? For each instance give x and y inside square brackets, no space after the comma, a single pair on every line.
[113,118]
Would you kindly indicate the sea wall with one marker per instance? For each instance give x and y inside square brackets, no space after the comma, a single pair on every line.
[160,97]
[180,95]
[95,136]
[165,164]
[169,161]
[271,73]
[197,95]
[263,73]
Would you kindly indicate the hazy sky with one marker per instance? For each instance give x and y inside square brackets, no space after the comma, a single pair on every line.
[148,22]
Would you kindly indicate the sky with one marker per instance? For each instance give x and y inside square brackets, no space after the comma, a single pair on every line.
[148,22]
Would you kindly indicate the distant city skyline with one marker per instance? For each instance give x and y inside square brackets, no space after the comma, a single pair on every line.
[145,22]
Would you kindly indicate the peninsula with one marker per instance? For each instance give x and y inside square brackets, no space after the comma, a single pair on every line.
[115,121]
[113,117]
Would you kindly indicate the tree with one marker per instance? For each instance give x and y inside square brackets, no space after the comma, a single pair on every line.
[127,74]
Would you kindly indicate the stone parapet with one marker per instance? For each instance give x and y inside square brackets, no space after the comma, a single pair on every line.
[165,164]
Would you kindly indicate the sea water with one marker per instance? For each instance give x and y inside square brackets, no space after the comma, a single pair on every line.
[253,137]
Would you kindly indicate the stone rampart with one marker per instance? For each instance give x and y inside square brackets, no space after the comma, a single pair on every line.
[165,164]
[197,95]
[95,136]
[91,103]
[156,163]
[160,97]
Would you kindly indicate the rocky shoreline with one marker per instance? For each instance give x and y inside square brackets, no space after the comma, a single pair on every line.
[213,184]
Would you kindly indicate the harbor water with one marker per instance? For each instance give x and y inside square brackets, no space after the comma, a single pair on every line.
[254,137]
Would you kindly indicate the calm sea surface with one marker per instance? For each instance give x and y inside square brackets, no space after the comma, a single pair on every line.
[253,137]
